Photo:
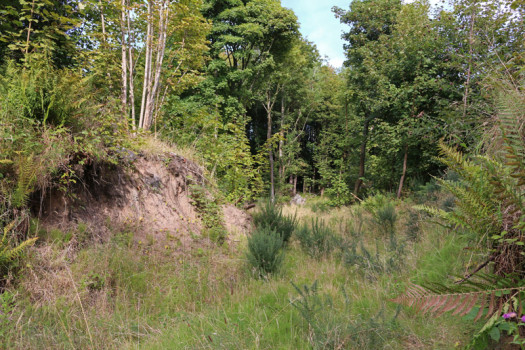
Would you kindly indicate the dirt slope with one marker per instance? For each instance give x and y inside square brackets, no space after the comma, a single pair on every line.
[148,194]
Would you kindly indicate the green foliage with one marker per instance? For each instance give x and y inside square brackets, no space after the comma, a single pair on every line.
[388,252]
[10,250]
[265,253]
[210,213]
[7,306]
[271,216]
[25,182]
[384,215]
[318,239]
[413,229]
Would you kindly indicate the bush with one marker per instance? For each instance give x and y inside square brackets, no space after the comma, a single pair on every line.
[264,250]
[271,216]
[317,241]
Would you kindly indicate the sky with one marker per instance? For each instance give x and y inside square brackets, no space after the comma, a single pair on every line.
[319,25]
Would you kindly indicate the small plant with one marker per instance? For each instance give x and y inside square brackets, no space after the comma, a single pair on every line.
[265,252]
[10,251]
[94,282]
[271,216]
[318,240]
[210,213]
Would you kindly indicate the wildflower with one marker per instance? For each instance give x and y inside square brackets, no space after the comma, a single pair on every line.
[523,318]
[510,315]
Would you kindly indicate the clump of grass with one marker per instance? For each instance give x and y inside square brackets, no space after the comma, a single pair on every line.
[265,253]
[316,240]
[328,328]
[271,216]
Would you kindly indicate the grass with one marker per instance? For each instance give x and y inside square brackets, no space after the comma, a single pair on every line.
[118,295]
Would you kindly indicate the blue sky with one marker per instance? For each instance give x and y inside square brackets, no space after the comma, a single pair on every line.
[319,25]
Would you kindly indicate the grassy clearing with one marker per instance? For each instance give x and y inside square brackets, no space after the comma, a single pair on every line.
[119,295]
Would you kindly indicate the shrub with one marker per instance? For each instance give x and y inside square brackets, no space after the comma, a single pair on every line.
[265,253]
[317,240]
[271,216]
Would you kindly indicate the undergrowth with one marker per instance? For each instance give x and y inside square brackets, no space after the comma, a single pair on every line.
[120,295]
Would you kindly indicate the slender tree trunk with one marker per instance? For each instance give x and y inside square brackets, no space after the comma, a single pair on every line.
[29,27]
[362,157]
[469,70]
[270,152]
[160,49]
[403,176]
[147,66]
[281,144]
[131,75]
[102,21]
[124,93]
[295,185]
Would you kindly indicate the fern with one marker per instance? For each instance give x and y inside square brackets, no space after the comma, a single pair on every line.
[8,253]
[27,169]
[442,299]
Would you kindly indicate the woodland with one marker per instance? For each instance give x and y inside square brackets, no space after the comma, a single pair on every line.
[193,174]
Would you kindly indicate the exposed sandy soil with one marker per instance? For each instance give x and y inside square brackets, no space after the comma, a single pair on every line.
[148,195]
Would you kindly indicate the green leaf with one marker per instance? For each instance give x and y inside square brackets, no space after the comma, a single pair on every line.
[495,334]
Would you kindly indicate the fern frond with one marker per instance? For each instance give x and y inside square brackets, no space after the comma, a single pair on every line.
[27,169]
[8,252]
[461,303]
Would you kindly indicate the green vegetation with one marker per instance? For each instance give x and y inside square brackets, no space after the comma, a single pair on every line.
[265,252]
[271,217]
[410,157]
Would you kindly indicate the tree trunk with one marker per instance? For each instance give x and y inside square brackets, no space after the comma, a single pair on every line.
[281,144]
[29,27]
[160,49]
[102,21]
[131,78]
[294,185]
[270,153]
[469,70]
[124,93]
[362,157]
[147,66]
[403,176]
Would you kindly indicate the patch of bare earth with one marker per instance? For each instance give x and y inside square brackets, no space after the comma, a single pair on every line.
[149,195]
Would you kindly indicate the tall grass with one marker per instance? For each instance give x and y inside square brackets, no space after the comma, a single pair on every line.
[205,298]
